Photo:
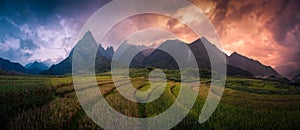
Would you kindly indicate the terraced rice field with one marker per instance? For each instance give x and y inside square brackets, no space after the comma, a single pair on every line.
[29,102]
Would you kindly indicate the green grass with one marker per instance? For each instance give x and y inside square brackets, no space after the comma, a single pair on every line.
[261,86]
[30,102]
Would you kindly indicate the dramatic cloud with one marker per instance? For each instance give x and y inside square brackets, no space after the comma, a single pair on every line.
[266,30]
[145,21]
[10,43]
[42,30]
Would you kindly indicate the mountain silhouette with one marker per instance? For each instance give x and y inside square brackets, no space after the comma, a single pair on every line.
[237,65]
[36,67]
[161,59]
[253,66]
[7,66]
[102,61]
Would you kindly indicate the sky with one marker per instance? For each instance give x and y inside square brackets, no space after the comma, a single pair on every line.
[46,30]
[42,30]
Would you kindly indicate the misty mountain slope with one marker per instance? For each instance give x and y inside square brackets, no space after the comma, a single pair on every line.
[252,66]
[103,57]
[36,67]
[8,66]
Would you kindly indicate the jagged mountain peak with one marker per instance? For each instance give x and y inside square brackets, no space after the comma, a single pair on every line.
[109,48]
[107,53]
[87,39]
[88,35]
[85,48]
[234,53]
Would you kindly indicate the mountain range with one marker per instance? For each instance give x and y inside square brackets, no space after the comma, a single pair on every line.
[36,67]
[237,64]
[8,67]
[253,66]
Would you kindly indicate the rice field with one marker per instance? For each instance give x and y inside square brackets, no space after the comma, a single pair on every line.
[36,102]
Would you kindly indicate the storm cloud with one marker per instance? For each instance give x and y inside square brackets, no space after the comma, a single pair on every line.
[266,30]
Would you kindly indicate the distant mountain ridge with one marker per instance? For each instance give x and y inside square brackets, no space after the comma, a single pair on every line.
[161,59]
[36,67]
[253,66]
[8,66]
[237,65]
